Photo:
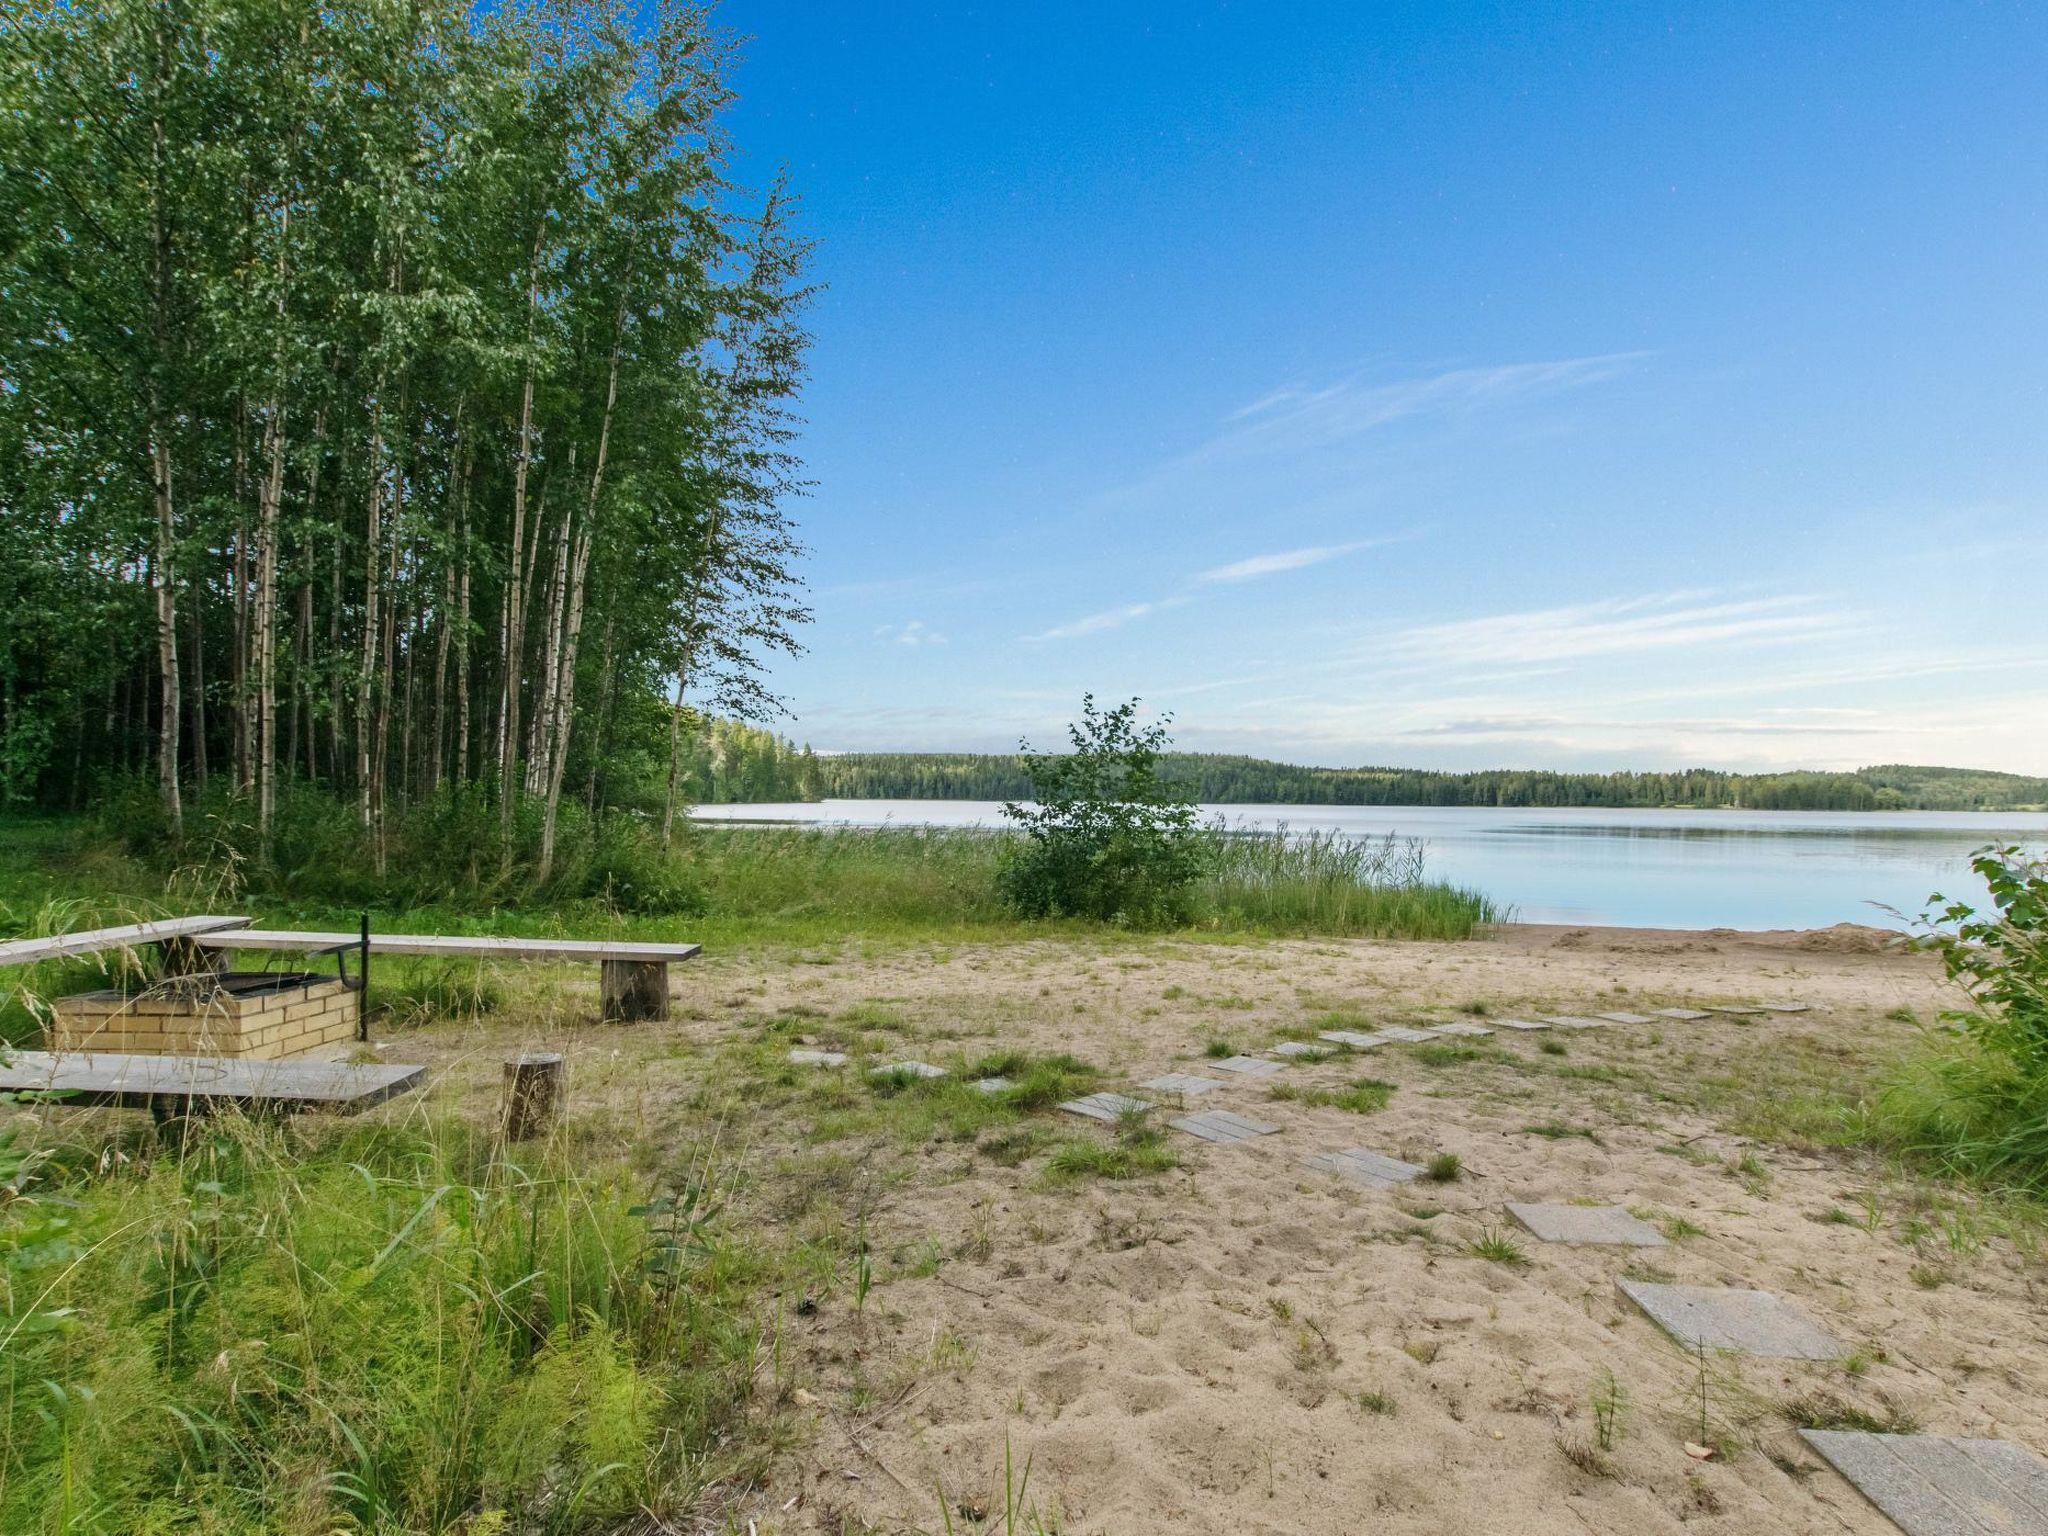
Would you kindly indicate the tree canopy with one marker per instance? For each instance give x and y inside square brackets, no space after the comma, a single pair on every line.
[391,396]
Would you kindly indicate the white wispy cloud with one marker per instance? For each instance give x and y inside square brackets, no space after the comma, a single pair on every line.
[1621,626]
[912,632]
[1255,566]
[1299,417]
[1108,618]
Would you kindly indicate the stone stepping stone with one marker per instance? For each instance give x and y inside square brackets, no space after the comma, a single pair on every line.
[1737,1010]
[1296,1048]
[1182,1082]
[991,1084]
[1352,1038]
[1932,1485]
[1105,1106]
[1746,1322]
[1185,1083]
[809,1058]
[1784,1008]
[1364,1167]
[1521,1024]
[1222,1125]
[913,1068]
[1626,1018]
[1605,1225]
[1462,1028]
[1684,1015]
[1400,1032]
[1574,1021]
[1251,1066]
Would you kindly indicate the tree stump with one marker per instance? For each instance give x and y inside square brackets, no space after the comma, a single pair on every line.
[635,990]
[533,1094]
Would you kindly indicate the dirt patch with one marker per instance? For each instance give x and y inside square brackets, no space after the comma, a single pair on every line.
[1244,1344]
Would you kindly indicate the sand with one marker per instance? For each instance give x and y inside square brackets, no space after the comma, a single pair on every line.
[1248,1345]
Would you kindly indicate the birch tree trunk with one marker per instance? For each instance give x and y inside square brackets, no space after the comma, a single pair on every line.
[515,618]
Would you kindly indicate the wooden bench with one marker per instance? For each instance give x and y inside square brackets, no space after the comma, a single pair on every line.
[174,934]
[635,976]
[174,1085]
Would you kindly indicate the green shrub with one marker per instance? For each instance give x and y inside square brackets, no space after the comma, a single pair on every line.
[1106,837]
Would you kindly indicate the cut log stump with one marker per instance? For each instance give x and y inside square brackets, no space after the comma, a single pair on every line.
[533,1094]
[635,990]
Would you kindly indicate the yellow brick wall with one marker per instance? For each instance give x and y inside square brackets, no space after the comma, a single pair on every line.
[269,1027]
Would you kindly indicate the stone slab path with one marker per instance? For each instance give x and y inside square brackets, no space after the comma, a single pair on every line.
[1626,1018]
[1574,1021]
[1186,1083]
[1402,1032]
[1251,1066]
[1930,1485]
[914,1068]
[1105,1106]
[1352,1038]
[1746,1322]
[1606,1225]
[1296,1048]
[1783,1007]
[1521,1024]
[1684,1015]
[1365,1167]
[1222,1125]
[1462,1028]
[809,1058]
[991,1084]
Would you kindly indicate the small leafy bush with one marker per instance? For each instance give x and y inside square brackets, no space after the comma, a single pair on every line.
[1106,836]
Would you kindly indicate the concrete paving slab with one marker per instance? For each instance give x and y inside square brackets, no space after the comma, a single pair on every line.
[810,1058]
[1352,1038]
[1626,1018]
[1251,1066]
[1524,1024]
[1186,1084]
[1684,1015]
[914,1068]
[1402,1032]
[991,1084]
[1603,1225]
[1932,1485]
[1363,1166]
[1574,1021]
[1746,1322]
[1784,1008]
[1221,1125]
[1737,1010]
[1105,1106]
[1297,1048]
[1462,1028]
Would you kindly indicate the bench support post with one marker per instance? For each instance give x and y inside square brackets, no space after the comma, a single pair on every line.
[533,1095]
[635,990]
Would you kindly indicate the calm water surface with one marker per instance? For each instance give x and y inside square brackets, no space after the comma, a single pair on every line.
[1660,869]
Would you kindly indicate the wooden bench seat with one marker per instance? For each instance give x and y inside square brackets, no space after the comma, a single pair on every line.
[167,931]
[179,1084]
[635,974]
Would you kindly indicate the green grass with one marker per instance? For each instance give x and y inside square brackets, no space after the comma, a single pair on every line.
[1136,1149]
[370,1328]
[1361,1096]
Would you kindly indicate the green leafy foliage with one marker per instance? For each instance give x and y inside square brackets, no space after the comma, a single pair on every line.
[1105,837]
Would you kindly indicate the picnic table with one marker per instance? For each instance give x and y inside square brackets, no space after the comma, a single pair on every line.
[634,975]
[170,1085]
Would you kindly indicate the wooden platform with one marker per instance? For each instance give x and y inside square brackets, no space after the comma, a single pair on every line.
[633,982]
[480,947]
[94,940]
[157,1082]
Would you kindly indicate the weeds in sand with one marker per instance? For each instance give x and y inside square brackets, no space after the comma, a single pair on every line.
[1823,1410]
[1218,1049]
[1677,1228]
[1423,1351]
[1585,1455]
[1444,1168]
[1362,1096]
[1138,1148]
[1445,1053]
[863,1271]
[1558,1130]
[1375,1401]
[980,1243]
[1753,1174]
[1553,1048]
[1498,1248]
[1929,1277]
[1610,1410]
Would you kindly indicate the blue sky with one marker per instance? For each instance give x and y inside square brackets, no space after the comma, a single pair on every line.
[1446,385]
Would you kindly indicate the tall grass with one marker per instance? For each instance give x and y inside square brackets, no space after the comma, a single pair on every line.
[377,1328]
[1326,882]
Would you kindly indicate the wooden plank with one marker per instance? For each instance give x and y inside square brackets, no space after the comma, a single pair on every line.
[93,940]
[136,1082]
[475,946]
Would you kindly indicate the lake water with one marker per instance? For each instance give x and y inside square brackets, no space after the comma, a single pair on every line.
[1658,869]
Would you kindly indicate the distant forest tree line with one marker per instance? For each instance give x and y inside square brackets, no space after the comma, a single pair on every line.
[1230,780]
[394,399]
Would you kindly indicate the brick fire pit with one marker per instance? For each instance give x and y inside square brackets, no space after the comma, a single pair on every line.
[262,1015]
